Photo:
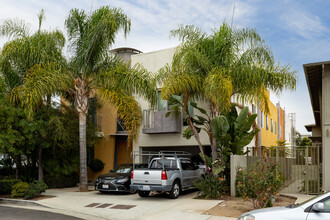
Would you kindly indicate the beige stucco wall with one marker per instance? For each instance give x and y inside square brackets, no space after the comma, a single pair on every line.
[153,61]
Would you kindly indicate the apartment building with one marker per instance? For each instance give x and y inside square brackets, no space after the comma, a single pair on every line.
[159,132]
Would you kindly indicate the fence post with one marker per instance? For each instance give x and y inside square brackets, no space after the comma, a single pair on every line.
[277,154]
[306,170]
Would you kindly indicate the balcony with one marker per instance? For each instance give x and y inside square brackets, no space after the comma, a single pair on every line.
[157,123]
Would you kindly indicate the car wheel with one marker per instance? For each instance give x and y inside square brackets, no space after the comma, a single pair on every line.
[143,193]
[175,192]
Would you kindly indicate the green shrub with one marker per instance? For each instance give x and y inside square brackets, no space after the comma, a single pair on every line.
[19,189]
[262,181]
[96,165]
[35,189]
[210,187]
[6,186]
[61,181]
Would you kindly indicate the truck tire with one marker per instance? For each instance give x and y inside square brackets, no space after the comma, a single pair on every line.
[176,189]
[143,193]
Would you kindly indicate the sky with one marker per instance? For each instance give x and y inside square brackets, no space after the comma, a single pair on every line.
[297,31]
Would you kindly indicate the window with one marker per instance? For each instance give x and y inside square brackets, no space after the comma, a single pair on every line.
[267,125]
[187,165]
[327,205]
[271,125]
[167,163]
[262,119]
[275,128]
[99,122]
[161,104]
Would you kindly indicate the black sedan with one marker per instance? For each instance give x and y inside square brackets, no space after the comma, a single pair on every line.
[117,179]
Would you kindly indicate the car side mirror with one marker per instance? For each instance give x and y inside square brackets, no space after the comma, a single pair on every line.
[318,207]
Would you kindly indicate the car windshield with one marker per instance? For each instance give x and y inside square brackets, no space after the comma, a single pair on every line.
[122,169]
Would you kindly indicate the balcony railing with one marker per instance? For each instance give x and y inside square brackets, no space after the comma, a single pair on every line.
[157,123]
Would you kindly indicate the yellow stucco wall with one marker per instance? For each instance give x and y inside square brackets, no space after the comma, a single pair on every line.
[105,148]
[269,138]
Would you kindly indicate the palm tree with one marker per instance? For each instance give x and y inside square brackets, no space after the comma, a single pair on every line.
[229,62]
[92,71]
[23,52]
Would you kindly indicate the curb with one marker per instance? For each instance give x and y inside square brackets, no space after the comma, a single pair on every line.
[22,202]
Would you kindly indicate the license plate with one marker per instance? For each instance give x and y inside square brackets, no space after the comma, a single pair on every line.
[105,186]
[146,187]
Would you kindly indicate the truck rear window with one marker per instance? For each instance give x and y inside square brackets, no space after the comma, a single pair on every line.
[168,164]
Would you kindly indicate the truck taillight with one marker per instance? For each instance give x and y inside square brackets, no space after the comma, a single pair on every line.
[164,175]
[132,174]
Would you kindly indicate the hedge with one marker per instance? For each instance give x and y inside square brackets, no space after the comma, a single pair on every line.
[6,186]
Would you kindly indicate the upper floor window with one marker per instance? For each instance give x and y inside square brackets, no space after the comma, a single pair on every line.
[161,103]
[275,128]
[267,123]
[253,109]
[271,125]
[262,119]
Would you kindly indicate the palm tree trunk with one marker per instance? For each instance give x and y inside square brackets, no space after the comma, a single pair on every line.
[194,130]
[83,186]
[18,161]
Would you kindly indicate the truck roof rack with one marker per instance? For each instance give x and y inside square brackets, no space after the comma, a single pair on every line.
[162,154]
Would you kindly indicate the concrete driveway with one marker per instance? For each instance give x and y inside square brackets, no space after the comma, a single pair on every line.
[130,206]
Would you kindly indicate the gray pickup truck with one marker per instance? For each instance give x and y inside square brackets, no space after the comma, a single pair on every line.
[166,173]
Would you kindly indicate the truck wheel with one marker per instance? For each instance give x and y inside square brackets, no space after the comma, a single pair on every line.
[143,193]
[175,192]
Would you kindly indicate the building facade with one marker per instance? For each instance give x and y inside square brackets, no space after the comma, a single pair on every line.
[318,83]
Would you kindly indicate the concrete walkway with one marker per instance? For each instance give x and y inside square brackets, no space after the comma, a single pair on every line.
[130,206]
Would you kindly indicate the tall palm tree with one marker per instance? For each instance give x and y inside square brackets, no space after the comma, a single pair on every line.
[92,71]
[229,62]
[23,52]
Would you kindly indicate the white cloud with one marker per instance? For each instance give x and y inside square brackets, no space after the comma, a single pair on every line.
[303,23]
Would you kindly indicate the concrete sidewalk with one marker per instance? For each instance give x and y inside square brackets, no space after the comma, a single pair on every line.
[130,206]
[95,205]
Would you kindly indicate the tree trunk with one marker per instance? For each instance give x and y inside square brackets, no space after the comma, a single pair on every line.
[213,141]
[214,149]
[81,103]
[40,170]
[83,186]
[18,162]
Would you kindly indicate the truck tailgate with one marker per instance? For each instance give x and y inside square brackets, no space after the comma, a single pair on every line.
[147,176]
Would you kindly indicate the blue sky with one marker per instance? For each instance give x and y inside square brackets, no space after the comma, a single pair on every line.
[298,32]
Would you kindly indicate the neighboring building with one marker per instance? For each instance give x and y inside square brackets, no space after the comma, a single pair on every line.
[318,83]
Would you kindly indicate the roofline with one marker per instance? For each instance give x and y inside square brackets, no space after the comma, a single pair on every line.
[125,48]
[315,64]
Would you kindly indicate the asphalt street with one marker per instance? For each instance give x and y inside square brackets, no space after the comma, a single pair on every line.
[10,213]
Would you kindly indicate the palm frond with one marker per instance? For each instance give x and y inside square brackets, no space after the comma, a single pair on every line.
[14,28]
[127,108]
[40,81]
